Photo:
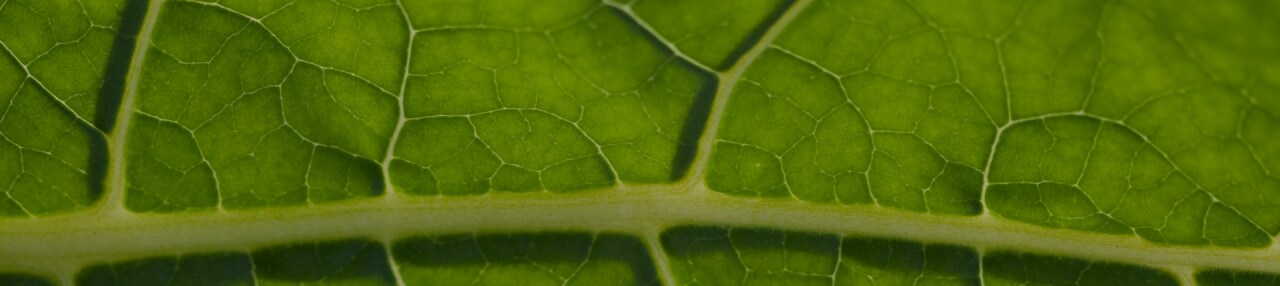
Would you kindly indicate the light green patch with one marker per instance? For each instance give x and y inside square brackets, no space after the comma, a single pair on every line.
[1126,122]
[714,41]
[562,104]
[1089,115]
[56,56]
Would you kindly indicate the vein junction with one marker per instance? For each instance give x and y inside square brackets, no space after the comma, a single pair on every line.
[887,136]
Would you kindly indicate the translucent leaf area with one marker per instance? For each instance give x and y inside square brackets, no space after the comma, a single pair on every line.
[1090,115]
[639,142]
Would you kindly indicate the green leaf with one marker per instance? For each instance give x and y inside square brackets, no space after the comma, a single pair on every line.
[639,142]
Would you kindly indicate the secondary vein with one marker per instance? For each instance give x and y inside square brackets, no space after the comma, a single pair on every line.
[112,203]
[728,80]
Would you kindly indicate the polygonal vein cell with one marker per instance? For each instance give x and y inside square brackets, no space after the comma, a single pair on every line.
[59,74]
[233,114]
[558,98]
[252,104]
[1132,118]
[1092,115]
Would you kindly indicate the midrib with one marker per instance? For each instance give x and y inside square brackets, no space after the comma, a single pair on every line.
[70,241]
[63,244]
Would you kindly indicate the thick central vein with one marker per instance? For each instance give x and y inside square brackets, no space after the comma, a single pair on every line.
[62,244]
[68,241]
[112,203]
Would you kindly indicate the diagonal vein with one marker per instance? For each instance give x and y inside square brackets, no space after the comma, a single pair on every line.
[728,80]
[112,203]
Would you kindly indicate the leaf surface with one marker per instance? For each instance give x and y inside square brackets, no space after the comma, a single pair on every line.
[502,142]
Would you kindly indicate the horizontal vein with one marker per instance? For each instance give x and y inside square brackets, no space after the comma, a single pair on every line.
[57,243]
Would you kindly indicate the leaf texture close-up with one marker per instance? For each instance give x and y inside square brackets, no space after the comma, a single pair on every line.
[639,142]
